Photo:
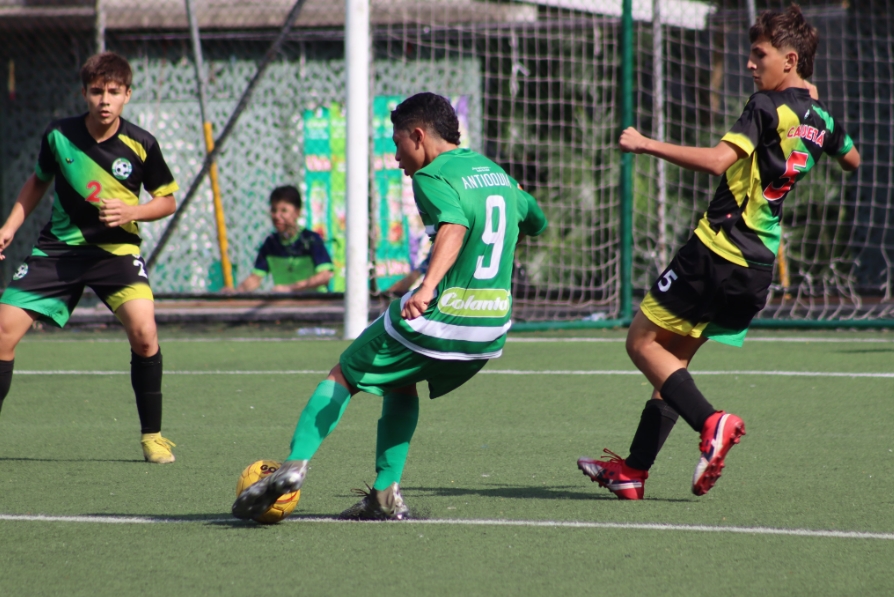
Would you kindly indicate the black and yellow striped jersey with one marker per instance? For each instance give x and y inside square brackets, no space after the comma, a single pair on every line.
[783,134]
[88,172]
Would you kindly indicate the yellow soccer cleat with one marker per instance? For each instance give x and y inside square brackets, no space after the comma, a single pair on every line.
[157,449]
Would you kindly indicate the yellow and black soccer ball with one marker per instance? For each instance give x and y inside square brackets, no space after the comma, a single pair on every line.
[256,471]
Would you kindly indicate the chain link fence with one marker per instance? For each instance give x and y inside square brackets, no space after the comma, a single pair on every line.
[535,83]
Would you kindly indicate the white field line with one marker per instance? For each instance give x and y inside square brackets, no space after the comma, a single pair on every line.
[250,372]
[749,339]
[511,339]
[477,522]
[594,372]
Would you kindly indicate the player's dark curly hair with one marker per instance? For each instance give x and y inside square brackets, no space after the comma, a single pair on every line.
[288,193]
[106,67]
[788,29]
[428,111]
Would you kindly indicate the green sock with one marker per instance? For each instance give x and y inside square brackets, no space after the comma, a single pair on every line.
[400,412]
[318,419]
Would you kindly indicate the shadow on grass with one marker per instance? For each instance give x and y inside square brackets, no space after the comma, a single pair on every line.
[218,519]
[524,492]
[865,350]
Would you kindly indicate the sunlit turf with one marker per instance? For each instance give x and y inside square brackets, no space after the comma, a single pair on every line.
[817,456]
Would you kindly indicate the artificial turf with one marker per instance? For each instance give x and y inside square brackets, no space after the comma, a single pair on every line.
[817,457]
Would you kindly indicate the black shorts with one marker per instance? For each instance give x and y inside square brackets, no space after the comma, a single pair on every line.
[52,286]
[702,294]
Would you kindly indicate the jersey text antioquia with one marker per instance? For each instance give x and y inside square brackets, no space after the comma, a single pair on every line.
[491,179]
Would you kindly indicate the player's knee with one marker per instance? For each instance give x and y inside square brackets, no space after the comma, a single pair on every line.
[144,349]
[143,340]
[9,339]
[634,347]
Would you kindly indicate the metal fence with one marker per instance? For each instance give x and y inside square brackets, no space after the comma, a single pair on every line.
[536,85]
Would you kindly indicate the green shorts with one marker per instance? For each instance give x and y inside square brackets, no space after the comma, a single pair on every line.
[376,363]
[52,286]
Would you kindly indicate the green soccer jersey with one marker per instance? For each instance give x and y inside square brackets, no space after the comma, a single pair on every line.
[470,313]
[87,172]
[783,133]
[293,260]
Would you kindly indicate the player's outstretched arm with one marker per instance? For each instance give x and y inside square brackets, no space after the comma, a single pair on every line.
[444,251]
[33,189]
[713,160]
[114,212]
[849,161]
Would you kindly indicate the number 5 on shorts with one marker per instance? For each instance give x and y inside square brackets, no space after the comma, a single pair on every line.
[665,282]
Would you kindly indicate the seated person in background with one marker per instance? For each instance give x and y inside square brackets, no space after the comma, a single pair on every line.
[297,258]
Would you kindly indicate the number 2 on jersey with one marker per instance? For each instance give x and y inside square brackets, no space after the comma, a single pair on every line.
[493,235]
[796,163]
[97,189]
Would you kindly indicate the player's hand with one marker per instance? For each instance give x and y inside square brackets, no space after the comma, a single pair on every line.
[281,288]
[417,304]
[115,212]
[814,94]
[6,237]
[632,141]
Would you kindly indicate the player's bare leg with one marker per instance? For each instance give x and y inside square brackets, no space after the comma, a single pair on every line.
[336,375]
[138,318]
[658,352]
[14,324]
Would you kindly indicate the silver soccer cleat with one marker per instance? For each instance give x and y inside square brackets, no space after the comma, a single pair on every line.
[258,498]
[378,505]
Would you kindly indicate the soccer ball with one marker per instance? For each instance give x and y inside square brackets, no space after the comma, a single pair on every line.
[256,471]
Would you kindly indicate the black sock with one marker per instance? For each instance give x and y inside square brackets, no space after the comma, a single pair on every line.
[655,424]
[5,378]
[145,377]
[680,393]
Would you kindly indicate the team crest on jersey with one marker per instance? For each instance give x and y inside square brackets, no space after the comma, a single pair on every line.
[121,168]
[21,272]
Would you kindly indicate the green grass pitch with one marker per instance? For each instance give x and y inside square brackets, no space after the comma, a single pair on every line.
[502,508]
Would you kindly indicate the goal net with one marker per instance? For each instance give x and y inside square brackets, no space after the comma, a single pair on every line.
[536,84]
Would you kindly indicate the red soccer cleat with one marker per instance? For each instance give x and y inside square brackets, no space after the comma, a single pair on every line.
[614,474]
[720,433]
